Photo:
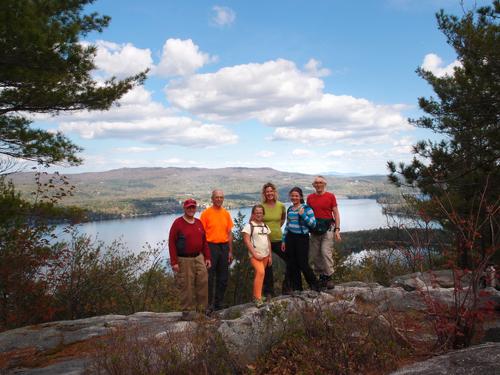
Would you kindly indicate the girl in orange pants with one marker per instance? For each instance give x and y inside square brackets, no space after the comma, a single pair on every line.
[256,239]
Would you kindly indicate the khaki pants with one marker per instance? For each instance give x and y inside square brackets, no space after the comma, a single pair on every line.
[192,281]
[321,253]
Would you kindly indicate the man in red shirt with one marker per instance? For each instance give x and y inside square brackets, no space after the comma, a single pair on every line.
[324,205]
[190,259]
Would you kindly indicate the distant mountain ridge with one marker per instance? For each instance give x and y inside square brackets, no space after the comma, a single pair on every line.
[126,190]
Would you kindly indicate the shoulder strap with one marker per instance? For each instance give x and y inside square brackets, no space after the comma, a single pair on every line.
[251,232]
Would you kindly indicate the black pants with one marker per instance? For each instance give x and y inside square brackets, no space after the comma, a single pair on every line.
[218,274]
[269,278]
[297,256]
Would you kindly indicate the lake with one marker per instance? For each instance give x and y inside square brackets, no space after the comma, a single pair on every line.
[355,214]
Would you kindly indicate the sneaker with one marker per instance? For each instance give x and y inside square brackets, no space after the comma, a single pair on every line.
[189,316]
[330,284]
[268,297]
[258,303]
[322,281]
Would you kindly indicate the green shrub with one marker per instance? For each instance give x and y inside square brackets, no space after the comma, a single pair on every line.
[192,352]
[321,342]
[101,279]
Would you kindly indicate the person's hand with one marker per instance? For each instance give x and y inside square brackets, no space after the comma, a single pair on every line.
[208,263]
[283,247]
[301,210]
[270,262]
[337,236]
[230,257]
[175,268]
[258,257]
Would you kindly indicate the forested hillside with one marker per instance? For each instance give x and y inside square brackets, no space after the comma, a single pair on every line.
[146,191]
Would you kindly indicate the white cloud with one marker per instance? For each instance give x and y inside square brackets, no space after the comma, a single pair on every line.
[134,150]
[434,64]
[280,95]
[366,158]
[314,135]
[223,16]
[121,60]
[300,152]
[338,112]
[139,118]
[135,105]
[95,162]
[335,153]
[177,162]
[265,154]
[182,131]
[180,58]
[403,145]
[313,67]
[333,118]
[244,91]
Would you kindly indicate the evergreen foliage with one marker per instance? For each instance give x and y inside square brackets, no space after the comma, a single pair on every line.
[457,177]
[239,288]
[44,68]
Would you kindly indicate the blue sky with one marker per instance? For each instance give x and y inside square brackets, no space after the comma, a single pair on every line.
[306,86]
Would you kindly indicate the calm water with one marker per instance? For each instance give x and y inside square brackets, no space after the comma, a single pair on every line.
[355,214]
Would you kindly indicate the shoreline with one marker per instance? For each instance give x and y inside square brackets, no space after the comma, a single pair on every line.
[101,216]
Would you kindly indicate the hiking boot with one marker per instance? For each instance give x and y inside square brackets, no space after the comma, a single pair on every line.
[316,287]
[326,282]
[322,281]
[330,284]
[258,302]
[189,316]
[209,311]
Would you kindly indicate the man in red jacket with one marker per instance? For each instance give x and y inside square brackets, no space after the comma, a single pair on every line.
[190,259]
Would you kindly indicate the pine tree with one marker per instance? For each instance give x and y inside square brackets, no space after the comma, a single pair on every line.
[44,68]
[458,177]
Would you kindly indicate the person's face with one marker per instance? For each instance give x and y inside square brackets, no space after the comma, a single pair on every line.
[258,214]
[294,197]
[218,198]
[269,194]
[319,185]
[190,211]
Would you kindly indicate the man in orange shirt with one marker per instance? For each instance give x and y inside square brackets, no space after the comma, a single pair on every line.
[218,228]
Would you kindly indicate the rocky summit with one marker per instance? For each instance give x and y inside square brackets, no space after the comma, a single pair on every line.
[67,347]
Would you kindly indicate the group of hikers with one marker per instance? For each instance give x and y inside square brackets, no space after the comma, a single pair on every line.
[201,249]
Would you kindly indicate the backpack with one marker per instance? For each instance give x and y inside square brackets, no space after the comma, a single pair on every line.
[322,226]
[251,230]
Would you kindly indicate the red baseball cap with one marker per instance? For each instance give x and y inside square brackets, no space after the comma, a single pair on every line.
[189,203]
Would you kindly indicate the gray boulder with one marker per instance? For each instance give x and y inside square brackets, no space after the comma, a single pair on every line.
[245,330]
[482,359]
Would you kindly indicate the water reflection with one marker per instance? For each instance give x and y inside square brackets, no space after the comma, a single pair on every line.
[356,214]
